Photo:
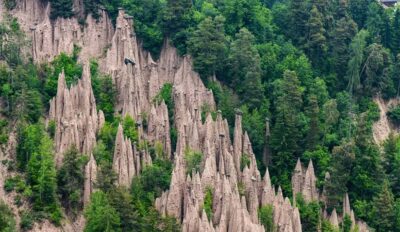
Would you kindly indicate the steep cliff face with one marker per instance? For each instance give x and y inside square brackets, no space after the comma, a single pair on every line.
[50,38]
[238,190]
[76,117]
[382,128]
[304,182]
[128,161]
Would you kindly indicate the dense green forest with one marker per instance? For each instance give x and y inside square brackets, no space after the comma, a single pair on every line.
[312,68]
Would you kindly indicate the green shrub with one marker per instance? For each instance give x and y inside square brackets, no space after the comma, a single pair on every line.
[61,8]
[100,215]
[193,161]
[27,221]
[72,70]
[104,91]
[347,223]
[166,95]
[208,202]
[326,226]
[70,180]
[266,216]
[394,115]
[244,161]
[159,150]
[16,183]
[130,129]
[10,4]
[7,220]
[9,185]
[3,131]
[28,138]
[157,177]
[51,128]
[309,214]
[205,110]
[241,189]
[18,200]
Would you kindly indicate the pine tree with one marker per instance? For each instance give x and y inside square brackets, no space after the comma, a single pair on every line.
[121,201]
[357,47]
[383,208]
[321,5]
[245,70]
[347,223]
[7,220]
[287,131]
[367,172]
[342,161]
[358,11]
[177,18]
[376,76]
[395,33]
[41,176]
[312,111]
[316,44]
[61,8]
[28,138]
[298,15]
[100,215]
[208,46]
[391,163]
[345,30]
[378,24]
[70,179]
[106,177]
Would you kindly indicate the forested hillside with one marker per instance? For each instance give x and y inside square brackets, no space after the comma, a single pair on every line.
[306,81]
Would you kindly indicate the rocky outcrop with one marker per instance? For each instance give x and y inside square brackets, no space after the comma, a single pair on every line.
[90,179]
[304,182]
[50,38]
[128,161]
[238,192]
[76,117]
[158,128]
[333,219]
[382,128]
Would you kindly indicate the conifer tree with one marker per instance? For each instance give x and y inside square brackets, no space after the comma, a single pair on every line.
[357,47]
[313,134]
[121,201]
[391,163]
[41,176]
[367,172]
[70,179]
[378,24]
[177,18]
[208,46]
[287,131]
[298,16]
[316,44]
[358,10]
[345,30]
[342,161]
[61,8]
[383,208]
[100,215]
[245,70]
[376,75]
[395,33]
